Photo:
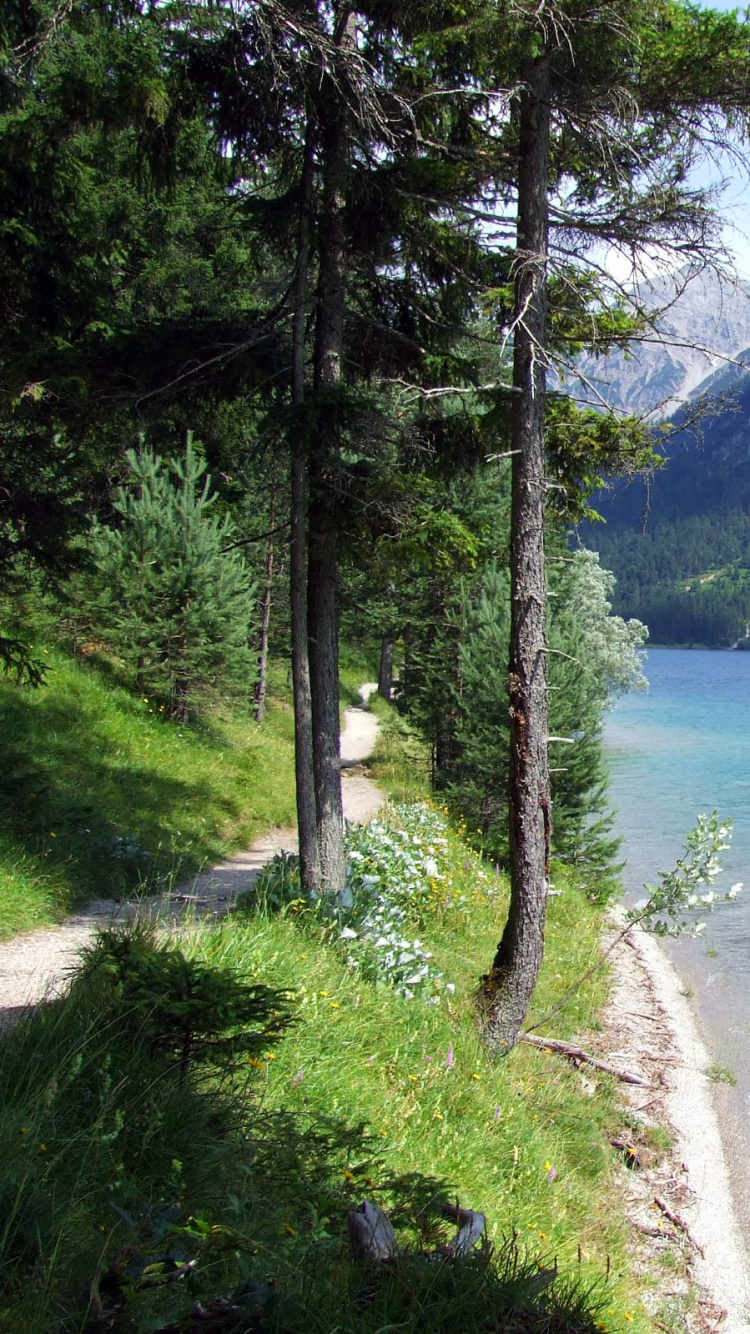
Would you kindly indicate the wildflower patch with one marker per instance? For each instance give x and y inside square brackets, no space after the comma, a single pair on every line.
[398,875]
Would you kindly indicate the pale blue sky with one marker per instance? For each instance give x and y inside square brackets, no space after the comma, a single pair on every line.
[733,203]
[735,200]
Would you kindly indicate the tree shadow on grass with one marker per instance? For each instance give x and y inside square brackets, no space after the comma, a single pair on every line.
[89,812]
[140,1193]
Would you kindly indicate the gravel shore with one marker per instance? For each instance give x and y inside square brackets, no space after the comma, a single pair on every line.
[680,1200]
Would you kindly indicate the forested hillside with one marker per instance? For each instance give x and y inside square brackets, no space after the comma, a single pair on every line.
[281,286]
[679,543]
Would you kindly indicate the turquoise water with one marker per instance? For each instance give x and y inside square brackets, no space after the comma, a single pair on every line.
[679,750]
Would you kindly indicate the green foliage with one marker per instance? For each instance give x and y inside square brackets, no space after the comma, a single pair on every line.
[190,1012]
[17,661]
[686,577]
[585,447]
[673,907]
[397,866]
[594,657]
[165,592]
[453,678]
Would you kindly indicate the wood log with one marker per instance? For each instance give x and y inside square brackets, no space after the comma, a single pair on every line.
[472,1229]
[579,1056]
[679,1223]
[371,1233]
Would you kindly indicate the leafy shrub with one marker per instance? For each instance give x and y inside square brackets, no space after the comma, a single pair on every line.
[397,877]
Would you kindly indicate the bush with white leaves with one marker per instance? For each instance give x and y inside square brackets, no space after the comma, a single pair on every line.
[398,875]
[674,906]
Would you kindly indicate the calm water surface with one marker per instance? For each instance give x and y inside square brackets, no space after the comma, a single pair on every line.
[679,750]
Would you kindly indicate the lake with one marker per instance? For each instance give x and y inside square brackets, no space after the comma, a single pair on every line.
[681,749]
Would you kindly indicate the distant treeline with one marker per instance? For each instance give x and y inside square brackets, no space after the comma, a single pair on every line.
[688,579]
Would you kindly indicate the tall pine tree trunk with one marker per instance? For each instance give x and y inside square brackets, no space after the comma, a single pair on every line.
[265,616]
[303,729]
[509,986]
[385,670]
[324,462]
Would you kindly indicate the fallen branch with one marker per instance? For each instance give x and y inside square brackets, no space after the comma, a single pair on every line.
[578,1056]
[679,1223]
[651,1230]
[472,1228]
[660,1057]
[371,1232]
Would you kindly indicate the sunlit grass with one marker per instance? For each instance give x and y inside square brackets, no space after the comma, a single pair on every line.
[401,762]
[367,1096]
[521,1139]
[98,792]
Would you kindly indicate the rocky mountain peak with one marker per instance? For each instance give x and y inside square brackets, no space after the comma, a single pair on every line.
[703,321]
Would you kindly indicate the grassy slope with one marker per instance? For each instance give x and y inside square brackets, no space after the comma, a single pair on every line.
[86,764]
[367,1096]
[525,1139]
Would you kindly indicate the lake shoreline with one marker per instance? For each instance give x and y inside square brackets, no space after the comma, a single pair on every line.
[655,1033]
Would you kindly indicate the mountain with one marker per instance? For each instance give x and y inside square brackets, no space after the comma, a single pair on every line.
[679,542]
[703,322]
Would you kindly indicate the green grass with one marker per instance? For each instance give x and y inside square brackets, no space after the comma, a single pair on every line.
[367,1096]
[98,793]
[115,1163]
[721,1074]
[435,1110]
[357,664]
[401,762]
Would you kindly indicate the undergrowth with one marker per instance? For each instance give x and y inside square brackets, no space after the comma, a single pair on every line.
[172,1144]
[139,1183]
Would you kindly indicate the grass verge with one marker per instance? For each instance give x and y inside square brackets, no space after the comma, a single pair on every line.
[135,1188]
[99,794]
[401,762]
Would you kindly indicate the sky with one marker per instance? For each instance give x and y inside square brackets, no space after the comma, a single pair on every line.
[724,174]
[735,200]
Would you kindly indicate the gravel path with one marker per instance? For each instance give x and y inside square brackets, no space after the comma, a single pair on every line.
[35,965]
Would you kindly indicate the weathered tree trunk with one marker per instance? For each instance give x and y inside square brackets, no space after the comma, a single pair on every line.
[385,672]
[303,733]
[324,455]
[509,986]
[265,616]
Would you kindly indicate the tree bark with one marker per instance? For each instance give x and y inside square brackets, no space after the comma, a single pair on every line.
[385,672]
[509,986]
[265,616]
[303,732]
[324,459]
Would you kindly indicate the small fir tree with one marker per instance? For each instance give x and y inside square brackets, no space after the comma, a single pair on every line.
[168,596]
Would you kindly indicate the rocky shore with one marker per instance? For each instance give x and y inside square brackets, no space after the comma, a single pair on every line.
[679,1199]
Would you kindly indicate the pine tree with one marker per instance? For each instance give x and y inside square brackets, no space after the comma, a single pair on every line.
[168,597]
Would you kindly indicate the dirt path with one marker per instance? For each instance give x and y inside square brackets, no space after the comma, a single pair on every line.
[32,966]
